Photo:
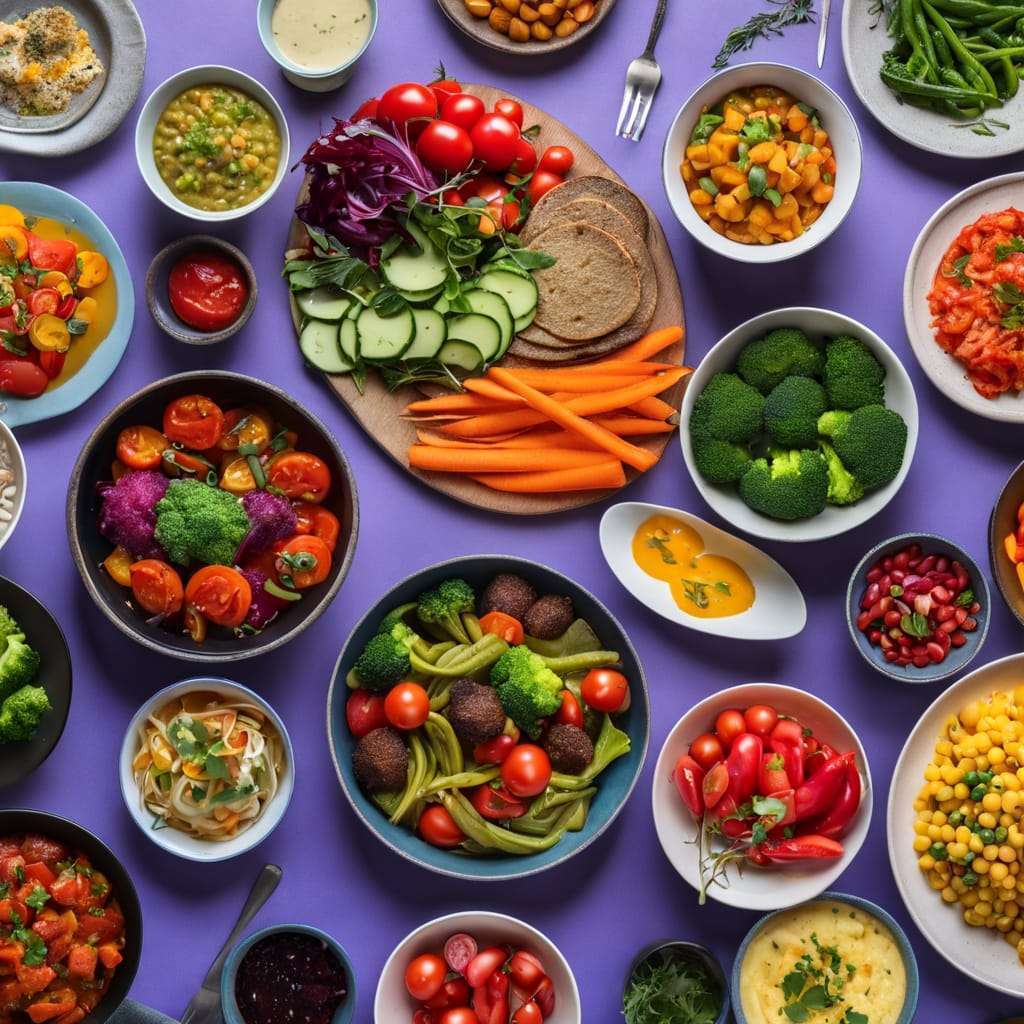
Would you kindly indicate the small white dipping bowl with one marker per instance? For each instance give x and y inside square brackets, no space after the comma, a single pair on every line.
[145,127]
[173,840]
[833,520]
[393,1003]
[835,118]
[20,471]
[781,885]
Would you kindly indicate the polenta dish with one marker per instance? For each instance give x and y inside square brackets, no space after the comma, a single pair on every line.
[46,59]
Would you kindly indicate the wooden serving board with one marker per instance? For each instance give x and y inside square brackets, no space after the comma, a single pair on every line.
[379,411]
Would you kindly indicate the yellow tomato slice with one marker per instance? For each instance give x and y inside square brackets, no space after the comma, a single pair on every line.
[55,279]
[49,333]
[13,241]
[237,477]
[11,215]
[93,269]
[117,564]
[86,310]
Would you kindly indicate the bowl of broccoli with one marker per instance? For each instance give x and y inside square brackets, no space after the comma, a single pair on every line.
[799,425]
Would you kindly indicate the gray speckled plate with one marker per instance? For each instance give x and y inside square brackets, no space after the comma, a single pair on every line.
[863,46]
[119,40]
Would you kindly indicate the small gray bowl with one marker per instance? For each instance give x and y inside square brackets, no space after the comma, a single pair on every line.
[959,657]
[159,301]
[692,951]
[1003,521]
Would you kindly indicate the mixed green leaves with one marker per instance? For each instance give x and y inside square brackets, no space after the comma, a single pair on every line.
[669,987]
[816,983]
[1012,296]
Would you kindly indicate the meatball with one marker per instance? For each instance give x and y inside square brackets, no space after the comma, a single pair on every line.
[475,712]
[549,617]
[569,748]
[381,761]
[510,594]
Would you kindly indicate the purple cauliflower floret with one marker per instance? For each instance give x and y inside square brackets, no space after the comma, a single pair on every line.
[272,518]
[128,512]
[264,607]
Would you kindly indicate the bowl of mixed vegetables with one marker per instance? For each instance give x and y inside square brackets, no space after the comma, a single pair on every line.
[488,718]
[211,516]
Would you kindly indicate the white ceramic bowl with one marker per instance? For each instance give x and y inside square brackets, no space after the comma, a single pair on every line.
[204,74]
[836,119]
[20,471]
[393,1003]
[978,952]
[173,840]
[833,520]
[783,885]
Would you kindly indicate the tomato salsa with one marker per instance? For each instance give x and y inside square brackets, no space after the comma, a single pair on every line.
[62,933]
[977,302]
[208,290]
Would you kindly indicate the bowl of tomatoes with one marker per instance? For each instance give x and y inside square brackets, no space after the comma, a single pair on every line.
[211,516]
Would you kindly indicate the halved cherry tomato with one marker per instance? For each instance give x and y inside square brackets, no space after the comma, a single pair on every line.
[44,300]
[51,253]
[306,559]
[22,378]
[67,307]
[195,624]
[604,689]
[544,997]
[716,782]
[14,241]
[497,804]
[556,160]
[249,427]
[526,771]
[92,269]
[186,463]
[570,713]
[454,993]
[728,725]
[48,333]
[510,109]
[424,976]
[407,706]
[459,1015]
[510,213]
[528,1013]
[141,447]
[509,628]
[51,363]
[319,521]
[706,750]
[156,586]
[452,198]
[194,421]
[495,750]
[236,477]
[525,158]
[489,188]
[463,109]
[364,712]
[689,777]
[300,476]
[220,593]
[437,827]
[541,184]
[118,565]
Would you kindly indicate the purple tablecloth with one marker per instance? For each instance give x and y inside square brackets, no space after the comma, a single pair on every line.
[622,893]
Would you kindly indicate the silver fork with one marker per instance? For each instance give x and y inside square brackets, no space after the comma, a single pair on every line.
[643,76]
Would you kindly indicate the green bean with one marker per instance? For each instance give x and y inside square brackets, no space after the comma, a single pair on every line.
[1009,51]
[486,834]
[452,654]
[416,778]
[941,47]
[911,88]
[472,626]
[435,652]
[581,662]
[958,49]
[440,693]
[464,780]
[352,680]
[927,48]
[446,744]
[475,657]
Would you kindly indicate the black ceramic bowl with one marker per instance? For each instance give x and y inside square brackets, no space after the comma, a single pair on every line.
[41,630]
[1002,522]
[17,821]
[228,390]
[686,951]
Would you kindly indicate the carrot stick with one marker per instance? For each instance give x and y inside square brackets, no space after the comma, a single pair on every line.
[446,460]
[544,437]
[649,344]
[605,475]
[441,441]
[633,426]
[548,381]
[638,458]
[655,409]
[460,403]
[488,389]
[617,367]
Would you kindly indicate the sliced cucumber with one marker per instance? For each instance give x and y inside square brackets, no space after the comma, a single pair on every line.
[319,344]
[522,322]
[413,271]
[480,331]
[381,338]
[323,303]
[493,305]
[442,305]
[460,354]
[423,298]
[520,293]
[431,333]
[354,310]
[348,340]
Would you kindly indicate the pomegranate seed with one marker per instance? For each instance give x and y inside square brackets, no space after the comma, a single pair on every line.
[874,575]
[891,656]
[871,595]
[975,608]
[901,560]
[874,636]
[941,594]
[887,565]
[925,565]
[935,652]
[903,640]
[949,626]
[892,618]
[886,582]
[969,625]
[942,639]
[921,661]
[958,639]
[960,614]
[944,613]
[902,660]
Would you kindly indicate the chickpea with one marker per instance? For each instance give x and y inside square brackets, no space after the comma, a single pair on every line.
[518,30]
[540,31]
[566,27]
[250,161]
[479,8]
[528,14]
[206,102]
[583,12]
[499,19]
[238,142]
[512,6]
[549,14]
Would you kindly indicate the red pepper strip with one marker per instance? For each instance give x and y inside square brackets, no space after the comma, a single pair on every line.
[490,1001]
[689,778]
[744,764]
[820,757]
[801,848]
[816,795]
[786,740]
[834,824]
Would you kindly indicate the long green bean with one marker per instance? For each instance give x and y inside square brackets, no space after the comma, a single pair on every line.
[464,780]
[581,662]
[958,49]
[416,778]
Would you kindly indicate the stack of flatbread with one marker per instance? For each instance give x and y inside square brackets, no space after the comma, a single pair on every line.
[603,289]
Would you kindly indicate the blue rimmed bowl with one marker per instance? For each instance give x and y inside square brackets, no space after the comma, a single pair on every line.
[857,903]
[958,658]
[614,785]
[344,1014]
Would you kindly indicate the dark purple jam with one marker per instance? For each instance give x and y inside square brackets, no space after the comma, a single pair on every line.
[290,978]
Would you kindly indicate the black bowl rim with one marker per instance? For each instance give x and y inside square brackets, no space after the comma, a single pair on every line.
[128,891]
[993,549]
[528,564]
[694,950]
[74,540]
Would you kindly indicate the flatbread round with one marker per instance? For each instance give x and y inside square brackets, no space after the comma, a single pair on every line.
[589,186]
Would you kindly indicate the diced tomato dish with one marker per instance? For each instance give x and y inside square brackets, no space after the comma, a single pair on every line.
[62,933]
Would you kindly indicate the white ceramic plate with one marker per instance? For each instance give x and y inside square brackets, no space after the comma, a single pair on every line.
[863,46]
[760,889]
[836,119]
[393,1003]
[778,611]
[833,520]
[945,372]
[20,471]
[980,953]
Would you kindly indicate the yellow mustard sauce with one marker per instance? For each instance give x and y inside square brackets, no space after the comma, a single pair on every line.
[704,585]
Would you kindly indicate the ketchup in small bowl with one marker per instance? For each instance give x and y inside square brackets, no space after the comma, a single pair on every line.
[207,289]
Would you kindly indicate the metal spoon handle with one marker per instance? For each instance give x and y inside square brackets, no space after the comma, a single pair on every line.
[659,18]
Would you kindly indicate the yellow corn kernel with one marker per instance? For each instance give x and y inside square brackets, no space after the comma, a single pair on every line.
[944,793]
[992,802]
[932,773]
[961,791]
[987,820]
[926,863]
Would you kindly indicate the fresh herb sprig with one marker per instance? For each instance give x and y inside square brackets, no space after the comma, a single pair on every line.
[763,26]
[666,987]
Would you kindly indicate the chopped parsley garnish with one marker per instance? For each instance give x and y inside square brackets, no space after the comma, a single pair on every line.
[35,948]
[661,546]
[1015,244]
[38,897]
[959,271]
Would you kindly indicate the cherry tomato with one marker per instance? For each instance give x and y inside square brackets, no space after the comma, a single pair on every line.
[486,186]
[220,593]
[319,521]
[156,586]
[494,141]
[463,109]
[453,994]
[510,109]
[249,426]
[51,254]
[494,751]
[141,447]
[300,476]
[22,378]
[367,110]
[510,213]
[526,971]
[459,1015]
[424,977]
[445,146]
[497,804]
[526,157]
[570,713]
[51,363]
[44,300]
[760,719]
[442,88]
[688,777]
[407,706]
[556,159]
[423,1016]
[305,560]
[528,1013]
[509,628]
[604,689]
[364,712]
[438,827]
[541,184]
[484,964]
[452,198]
[67,307]
[526,771]
[405,102]
[728,725]
[24,285]
[193,421]
[706,750]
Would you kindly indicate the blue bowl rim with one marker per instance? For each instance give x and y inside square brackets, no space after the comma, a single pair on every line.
[229,1007]
[641,692]
[695,950]
[906,950]
[264,12]
[977,576]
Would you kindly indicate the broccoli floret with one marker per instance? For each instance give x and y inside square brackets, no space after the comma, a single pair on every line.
[784,352]
[527,688]
[853,376]
[8,626]
[720,462]
[21,712]
[385,658]
[196,522]
[727,410]
[791,412]
[870,441]
[19,664]
[445,605]
[395,616]
[843,487]
[793,485]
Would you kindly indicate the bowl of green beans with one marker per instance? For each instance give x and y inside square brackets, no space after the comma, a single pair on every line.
[443,775]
